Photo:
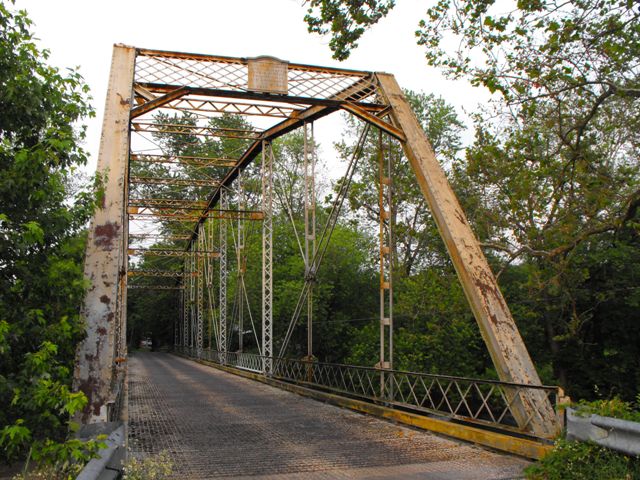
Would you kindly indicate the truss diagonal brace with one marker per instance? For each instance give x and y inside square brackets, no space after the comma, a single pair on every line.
[498,329]
[158,102]
[374,120]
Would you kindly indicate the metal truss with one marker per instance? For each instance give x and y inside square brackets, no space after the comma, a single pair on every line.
[240,265]
[227,75]
[156,252]
[177,331]
[213,325]
[157,237]
[171,203]
[133,286]
[229,107]
[222,223]
[161,273]
[385,219]
[267,257]
[178,182]
[200,288]
[194,130]
[191,161]
[164,160]
[182,216]
[185,305]
[325,237]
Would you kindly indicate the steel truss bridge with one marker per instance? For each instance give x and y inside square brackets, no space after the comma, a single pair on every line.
[167,195]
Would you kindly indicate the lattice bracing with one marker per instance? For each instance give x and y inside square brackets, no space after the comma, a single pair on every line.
[157,68]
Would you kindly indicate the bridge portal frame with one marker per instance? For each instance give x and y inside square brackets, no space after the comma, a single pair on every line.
[143,80]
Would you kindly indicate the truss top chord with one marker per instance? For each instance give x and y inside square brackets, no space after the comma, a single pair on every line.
[155,67]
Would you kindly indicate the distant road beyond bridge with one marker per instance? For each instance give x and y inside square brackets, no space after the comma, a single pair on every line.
[216,424]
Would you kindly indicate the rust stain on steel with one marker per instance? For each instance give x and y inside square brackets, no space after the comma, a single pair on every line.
[104,235]
[95,356]
[268,74]
[497,326]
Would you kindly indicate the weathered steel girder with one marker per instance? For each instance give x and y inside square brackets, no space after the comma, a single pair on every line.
[158,252]
[195,130]
[183,160]
[160,273]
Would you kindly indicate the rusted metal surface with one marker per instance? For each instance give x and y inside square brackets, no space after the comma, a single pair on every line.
[182,192]
[268,74]
[498,329]
[106,252]
[374,120]
[183,160]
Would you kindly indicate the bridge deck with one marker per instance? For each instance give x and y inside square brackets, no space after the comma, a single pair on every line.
[215,424]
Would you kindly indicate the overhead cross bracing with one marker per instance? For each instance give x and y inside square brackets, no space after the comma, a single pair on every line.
[191,167]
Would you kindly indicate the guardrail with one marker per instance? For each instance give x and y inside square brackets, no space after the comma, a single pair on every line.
[487,403]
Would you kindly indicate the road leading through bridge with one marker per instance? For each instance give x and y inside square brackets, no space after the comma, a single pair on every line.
[215,424]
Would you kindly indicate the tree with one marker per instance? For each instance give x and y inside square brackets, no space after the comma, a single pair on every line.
[347,20]
[551,183]
[42,220]
[417,242]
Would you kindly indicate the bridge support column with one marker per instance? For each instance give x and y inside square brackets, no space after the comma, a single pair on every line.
[498,329]
[102,353]
[200,294]
[185,306]
[224,205]
[267,257]
[385,217]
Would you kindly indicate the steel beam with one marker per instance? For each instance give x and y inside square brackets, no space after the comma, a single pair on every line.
[267,258]
[224,204]
[498,329]
[158,102]
[106,257]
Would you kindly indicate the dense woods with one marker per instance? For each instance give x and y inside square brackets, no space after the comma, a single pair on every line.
[550,183]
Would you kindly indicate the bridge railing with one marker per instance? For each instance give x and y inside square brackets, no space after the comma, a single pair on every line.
[482,402]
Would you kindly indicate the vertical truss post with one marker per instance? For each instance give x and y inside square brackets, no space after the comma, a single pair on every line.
[200,281]
[178,322]
[209,280]
[100,353]
[185,306]
[224,204]
[309,226]
[240,264]
[192,299]
[267,257]
[498,329]
[385,217]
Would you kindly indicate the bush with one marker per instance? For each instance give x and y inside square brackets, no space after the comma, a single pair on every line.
[156,467]
[613,407]
[584,461]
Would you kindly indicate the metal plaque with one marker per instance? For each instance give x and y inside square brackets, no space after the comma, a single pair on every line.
[268,75]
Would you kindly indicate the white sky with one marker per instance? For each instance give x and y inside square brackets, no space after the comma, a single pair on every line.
[82,33]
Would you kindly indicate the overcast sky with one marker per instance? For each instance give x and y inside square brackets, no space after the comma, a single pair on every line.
[82,33]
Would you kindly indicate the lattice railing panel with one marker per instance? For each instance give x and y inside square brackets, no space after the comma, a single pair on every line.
[483,402]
